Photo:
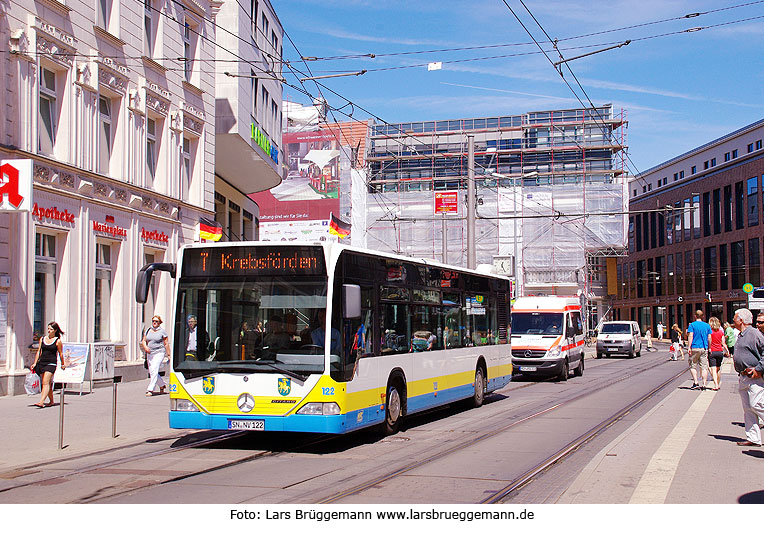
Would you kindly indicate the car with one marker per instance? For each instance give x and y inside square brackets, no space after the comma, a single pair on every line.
[293,174]
[619,337]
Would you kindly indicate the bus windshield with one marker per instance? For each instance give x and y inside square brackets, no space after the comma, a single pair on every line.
[540,323]
[264,324]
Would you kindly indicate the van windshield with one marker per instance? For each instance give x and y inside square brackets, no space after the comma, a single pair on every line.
[616,328]
[537,323]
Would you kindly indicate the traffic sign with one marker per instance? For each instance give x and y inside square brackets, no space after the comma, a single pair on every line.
[748,288]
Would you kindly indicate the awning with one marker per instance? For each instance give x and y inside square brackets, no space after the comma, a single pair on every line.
[321,157]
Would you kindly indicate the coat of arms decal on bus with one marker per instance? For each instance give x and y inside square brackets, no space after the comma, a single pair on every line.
[285,386]
[208,384]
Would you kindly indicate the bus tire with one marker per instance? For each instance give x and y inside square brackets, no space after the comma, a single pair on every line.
[393,408]
[479,395]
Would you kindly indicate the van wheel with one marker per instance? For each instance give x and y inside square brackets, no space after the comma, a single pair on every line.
[392,409]
[563,376]
[579,371]
[479,396]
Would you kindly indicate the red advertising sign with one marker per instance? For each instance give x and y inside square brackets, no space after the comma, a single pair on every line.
[16,185]
[446,202]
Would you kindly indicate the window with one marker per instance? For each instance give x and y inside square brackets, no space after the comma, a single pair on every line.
[103,13]
[688,272]
[265,25]
[44,284]
[150,24]
[48,112]
[253,87]
[102,292]
[754,262]
[713,162]
[676,176]
[151,152]
[679,273]
[752,186]
[670,274]
[724,278]
[190,41]
[105,133]
[187,170]
[750,148]
[706,214]
[687,219]
[669,222]
[709,265]
[705,165]
[758,144]
[695,216]
[693,169]
[253,18]
[727,208]
[739,206]
[265,98]
[274,117]
[737,252]
[717,212]
[734,153]
[149,307]
[727,156]
[275,43]
[678,222]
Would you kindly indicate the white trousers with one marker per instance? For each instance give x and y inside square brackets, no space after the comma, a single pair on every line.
[752,398]
[155,361]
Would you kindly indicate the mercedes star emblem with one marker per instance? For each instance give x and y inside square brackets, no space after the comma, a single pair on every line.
[245,402]
[528,354]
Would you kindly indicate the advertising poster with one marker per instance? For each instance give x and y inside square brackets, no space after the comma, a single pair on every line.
[102,361]
[317,162]
[76,360]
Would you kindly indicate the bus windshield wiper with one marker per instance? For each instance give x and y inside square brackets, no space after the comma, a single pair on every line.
[287,372]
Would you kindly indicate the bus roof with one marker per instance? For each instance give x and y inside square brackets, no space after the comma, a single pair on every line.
[333,247]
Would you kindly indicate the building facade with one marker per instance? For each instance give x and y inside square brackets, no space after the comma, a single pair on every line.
[550,188]
[249,151]
[695,233]
[113,103]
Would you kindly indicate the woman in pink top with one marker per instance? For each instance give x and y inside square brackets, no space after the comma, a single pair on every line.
[717,348]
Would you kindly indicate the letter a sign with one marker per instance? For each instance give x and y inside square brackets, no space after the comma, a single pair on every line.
[15,185]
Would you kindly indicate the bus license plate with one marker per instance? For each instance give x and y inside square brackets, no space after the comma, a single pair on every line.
[526,368]
[253,424]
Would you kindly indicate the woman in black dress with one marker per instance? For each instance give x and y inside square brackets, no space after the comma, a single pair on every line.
[45,362]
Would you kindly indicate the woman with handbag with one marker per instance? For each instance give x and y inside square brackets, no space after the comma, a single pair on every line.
[676,342]
[156,346]
[45,362]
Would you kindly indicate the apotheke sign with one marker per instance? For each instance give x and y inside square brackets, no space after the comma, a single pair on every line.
[154,235]
[52,214]
[16,185]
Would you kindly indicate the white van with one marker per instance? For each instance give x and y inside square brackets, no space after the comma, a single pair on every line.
[619,337]
[547,336]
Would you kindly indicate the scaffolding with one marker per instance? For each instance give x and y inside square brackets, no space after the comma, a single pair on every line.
[573,205]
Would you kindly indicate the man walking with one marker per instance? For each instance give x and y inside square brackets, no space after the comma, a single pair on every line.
[760,322]
[660,331]
[698,332]
[747,359]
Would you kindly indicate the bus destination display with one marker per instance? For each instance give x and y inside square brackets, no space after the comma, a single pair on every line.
[240,261]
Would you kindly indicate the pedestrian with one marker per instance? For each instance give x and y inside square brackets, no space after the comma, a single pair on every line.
[649,339]
[157,347]
[730,335]
[698,332]
[760,322]
[660,331]
[45,362]
[749,365]
[717,349]
[676,342]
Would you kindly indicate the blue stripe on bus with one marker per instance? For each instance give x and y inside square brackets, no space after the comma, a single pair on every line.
[329,424]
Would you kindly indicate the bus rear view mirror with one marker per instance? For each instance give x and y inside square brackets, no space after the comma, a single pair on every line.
[143,282]
[351,297]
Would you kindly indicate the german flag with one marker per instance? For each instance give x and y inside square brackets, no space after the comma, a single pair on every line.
[338,228]
[210,230]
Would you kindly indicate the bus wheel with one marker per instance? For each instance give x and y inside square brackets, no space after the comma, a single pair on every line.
[392,409]
[479,396]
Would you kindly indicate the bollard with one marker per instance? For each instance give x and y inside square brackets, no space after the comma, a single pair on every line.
[116,380]
[61,419]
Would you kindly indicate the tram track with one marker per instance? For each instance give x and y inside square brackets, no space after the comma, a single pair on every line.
[431,454]
[459,445]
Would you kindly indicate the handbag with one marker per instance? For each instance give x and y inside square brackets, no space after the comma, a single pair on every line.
[32,383]
[672,348]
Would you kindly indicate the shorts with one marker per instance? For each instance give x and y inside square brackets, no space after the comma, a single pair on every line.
[715,358]
[699,356]
[40,369]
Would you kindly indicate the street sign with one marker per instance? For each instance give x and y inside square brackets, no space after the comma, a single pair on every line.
[446,202]
[748,288]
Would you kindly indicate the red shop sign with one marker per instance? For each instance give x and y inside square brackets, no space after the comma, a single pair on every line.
[446,202]
[154,235]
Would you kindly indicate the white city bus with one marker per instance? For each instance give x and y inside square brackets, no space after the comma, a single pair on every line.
[320,337]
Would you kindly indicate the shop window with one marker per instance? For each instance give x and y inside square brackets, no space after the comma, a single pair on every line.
[44,283]
[103,287]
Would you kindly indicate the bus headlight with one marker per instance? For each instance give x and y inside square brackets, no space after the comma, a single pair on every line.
[320,408]
[554,352]
[182,405]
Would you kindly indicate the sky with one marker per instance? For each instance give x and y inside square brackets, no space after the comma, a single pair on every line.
[678,89]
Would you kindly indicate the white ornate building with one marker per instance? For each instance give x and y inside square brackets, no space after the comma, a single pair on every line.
[114,103]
